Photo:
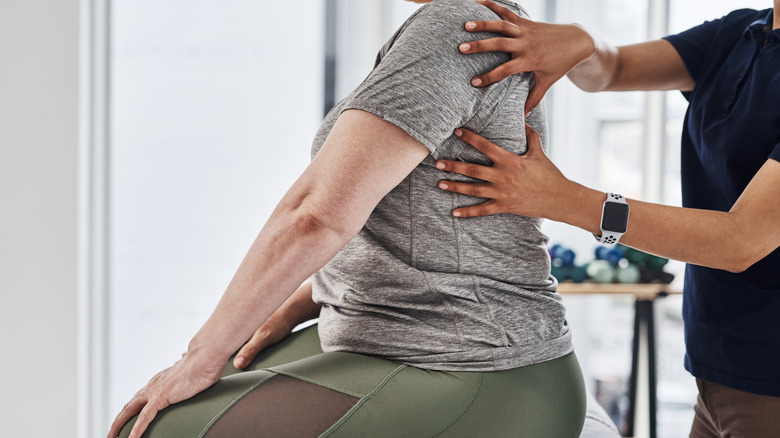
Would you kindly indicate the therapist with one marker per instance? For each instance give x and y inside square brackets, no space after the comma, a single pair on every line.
[729,228]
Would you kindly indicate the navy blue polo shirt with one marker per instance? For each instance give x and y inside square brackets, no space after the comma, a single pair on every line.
[732,127]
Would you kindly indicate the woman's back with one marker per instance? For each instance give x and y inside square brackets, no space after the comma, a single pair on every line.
[416,285]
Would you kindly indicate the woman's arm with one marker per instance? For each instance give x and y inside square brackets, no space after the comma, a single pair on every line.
[554,50]
[298,309]
[531,185]
[363,158]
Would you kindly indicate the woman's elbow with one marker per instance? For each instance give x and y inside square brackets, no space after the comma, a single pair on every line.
[308,220]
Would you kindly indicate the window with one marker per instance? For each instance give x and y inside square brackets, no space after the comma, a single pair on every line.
[608,141]
[213,108]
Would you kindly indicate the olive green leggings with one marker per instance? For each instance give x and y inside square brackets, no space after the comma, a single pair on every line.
[293,389]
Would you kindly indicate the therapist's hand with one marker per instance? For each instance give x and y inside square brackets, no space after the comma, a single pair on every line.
[188,377]
[548,50]
[527,185]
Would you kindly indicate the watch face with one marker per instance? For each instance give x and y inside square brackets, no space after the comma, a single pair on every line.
[615,217]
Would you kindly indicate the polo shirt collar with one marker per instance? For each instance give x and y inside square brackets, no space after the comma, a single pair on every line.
[760,28]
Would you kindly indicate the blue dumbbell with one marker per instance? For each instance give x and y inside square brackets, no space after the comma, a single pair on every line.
[612,255]
[565,255]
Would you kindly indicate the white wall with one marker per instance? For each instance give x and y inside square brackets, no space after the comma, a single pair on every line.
[39,42]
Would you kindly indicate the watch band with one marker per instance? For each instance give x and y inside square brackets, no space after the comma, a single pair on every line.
[614,219]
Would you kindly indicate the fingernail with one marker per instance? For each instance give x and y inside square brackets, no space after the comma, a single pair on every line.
[456,213]
[471,25]
[440,165]
[458,132]
[443,186]
[465,47]
[476,82]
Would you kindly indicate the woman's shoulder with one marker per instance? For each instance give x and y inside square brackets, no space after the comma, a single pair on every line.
[441,23]
[470,10]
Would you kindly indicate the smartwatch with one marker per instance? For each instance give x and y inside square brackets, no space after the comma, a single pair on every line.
[614,219]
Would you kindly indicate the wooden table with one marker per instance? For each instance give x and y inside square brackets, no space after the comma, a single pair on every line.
[645,296]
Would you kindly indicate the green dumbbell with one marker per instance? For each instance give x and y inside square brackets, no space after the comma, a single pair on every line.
[629,274]
[641,259]
[601,271]
[576,274]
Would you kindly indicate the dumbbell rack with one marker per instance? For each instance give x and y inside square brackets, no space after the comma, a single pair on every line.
[644,317]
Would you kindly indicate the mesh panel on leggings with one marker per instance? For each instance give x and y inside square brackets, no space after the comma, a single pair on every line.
[283,407]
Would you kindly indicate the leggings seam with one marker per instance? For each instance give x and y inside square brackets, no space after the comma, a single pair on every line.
[361,402]
[471,403]
[320,383]
[232,403]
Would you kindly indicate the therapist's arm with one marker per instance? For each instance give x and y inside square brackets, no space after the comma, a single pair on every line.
[531,185]
[551,51]
[363,158]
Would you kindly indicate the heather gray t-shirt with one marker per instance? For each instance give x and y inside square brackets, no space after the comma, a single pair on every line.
[416,285]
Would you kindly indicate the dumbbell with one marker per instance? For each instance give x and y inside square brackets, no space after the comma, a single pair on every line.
[650,275]
[612,255]
[563,267]
[641,258]
[629,274]
[565,255]
[601,271]
[576,274]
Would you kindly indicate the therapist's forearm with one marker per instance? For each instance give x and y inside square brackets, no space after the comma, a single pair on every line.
[653,65]
[598,71]
[701,237]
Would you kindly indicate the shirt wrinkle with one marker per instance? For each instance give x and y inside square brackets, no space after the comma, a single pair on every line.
[470,285]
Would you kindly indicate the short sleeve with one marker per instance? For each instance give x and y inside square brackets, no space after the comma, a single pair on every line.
[775,155]
[422,84]
[694,44]
[698,44]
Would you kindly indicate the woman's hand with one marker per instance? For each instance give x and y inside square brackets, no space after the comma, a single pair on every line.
[183,380]
[298,309]
[548,50]
[271,332]
[527,185]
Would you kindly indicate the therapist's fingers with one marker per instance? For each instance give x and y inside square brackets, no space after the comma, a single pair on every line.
[534,142]
[541,86]
[479,190]
[471,170]
[484,209]
[490,149]
[498,74]
[517,64]
[503,27]
[497,44]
